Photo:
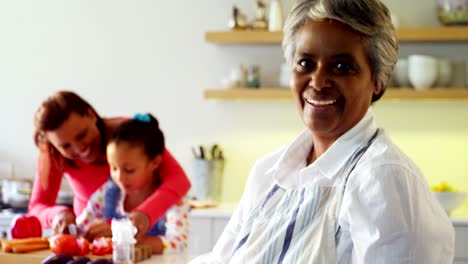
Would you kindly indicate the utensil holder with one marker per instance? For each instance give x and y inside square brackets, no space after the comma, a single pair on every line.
[207,179]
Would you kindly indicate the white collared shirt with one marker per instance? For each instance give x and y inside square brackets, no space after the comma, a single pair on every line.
[388,213]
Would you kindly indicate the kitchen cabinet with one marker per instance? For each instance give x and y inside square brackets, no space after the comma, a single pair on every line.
[461,242]
[206,226]
[405,35]
[204,232]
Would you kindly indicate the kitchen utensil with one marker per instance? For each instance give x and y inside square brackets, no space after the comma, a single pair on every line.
[208,179]
[215,152]
[452,12]
[201,150]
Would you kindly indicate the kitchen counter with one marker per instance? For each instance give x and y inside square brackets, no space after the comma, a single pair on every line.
[38,256]
[223,210]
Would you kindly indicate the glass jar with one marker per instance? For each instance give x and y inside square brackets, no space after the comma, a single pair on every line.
[123,241]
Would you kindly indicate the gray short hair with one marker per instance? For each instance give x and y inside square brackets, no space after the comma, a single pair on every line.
[368,17]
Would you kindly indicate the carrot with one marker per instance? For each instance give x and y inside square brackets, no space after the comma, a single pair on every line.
[7,245]
[23,248]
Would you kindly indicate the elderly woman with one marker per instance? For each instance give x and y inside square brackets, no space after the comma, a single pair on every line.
[342,191]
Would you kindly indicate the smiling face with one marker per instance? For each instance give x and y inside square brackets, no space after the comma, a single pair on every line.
[331,78]
[77,138]
[130,168]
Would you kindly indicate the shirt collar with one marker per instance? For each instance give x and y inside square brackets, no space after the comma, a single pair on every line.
[290,169]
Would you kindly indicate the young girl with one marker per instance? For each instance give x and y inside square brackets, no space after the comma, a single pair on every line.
[134,152]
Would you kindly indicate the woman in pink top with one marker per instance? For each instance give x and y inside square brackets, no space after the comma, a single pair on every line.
[72,140]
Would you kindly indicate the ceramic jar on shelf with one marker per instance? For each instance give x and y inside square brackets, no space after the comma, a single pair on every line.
[275,17]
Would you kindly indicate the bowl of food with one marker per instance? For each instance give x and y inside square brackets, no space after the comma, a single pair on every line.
[452,12]
[449,197]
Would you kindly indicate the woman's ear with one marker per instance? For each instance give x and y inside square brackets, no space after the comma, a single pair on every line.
[155,162]
[377,87]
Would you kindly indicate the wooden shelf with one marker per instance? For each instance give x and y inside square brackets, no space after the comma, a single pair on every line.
[430,34]
[434,34]
[392,94]
[244,37]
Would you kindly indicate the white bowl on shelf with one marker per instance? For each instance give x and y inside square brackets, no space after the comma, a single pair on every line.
[422,71]
[450,200]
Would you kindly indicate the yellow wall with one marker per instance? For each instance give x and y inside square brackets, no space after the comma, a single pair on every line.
[433,134]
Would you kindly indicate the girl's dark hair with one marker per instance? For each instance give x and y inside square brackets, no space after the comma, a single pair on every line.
[50,115]
[143,132]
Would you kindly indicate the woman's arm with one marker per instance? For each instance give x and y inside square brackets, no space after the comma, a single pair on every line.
[43,198]
[393,218]
[175,185]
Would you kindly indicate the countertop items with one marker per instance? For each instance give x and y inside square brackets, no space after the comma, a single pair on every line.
[38,256]
[207,176]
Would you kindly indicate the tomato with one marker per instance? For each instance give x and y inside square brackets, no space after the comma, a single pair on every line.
[26,226]
[83,246]
[64,244]
[102,246]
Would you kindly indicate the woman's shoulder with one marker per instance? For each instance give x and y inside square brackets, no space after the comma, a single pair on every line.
[384,163]
[385,152]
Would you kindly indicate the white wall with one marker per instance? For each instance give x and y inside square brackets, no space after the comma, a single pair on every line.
[137,56]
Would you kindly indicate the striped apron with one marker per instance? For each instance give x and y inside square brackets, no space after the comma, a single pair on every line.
[295,225]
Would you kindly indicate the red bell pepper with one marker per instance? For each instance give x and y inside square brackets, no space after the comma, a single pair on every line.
[25,226]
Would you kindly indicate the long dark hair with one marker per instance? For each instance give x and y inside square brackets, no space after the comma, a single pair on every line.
[50,115]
